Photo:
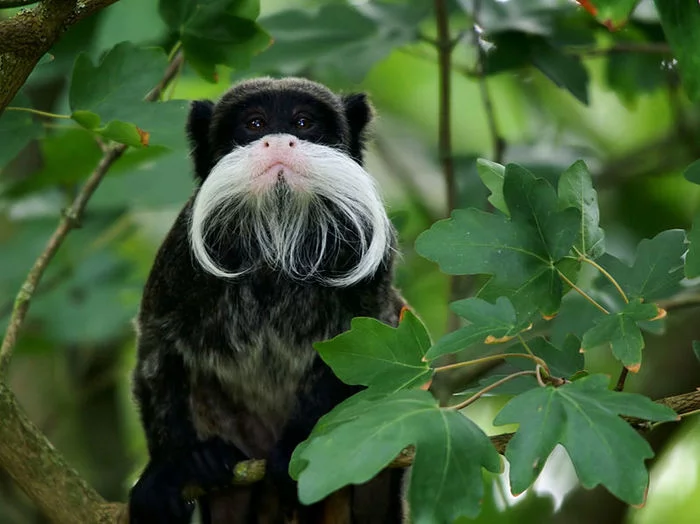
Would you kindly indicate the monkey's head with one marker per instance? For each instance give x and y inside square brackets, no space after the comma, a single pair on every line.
[282,184]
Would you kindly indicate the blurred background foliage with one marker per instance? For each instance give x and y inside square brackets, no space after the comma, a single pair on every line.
[561,86]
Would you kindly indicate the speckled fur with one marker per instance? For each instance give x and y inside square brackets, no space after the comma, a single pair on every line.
[234,358]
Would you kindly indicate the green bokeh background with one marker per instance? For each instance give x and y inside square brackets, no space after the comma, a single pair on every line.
[637,133]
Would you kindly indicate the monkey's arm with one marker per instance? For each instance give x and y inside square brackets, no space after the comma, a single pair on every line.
[177,457]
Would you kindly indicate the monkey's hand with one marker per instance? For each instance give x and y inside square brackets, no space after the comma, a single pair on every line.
[157,497]
[209,464]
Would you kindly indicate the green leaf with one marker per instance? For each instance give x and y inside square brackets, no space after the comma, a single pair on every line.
[342,40]
[375,354]
[692,172]
[692,259]
[446,478]
[534,200]
[696,349]
[576,190]
[680,20]
[108,98]
[565,70]
[76,148]
[216,32]
[492,175]
[522,253]
[17,129]
[583,417]
[611,13]
[487,322]
[657,268]
[563,362]
[621,331]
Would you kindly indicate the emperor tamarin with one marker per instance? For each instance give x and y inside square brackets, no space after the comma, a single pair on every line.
[284,241]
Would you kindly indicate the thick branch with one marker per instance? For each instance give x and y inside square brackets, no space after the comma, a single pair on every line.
[5,4]
[28,35]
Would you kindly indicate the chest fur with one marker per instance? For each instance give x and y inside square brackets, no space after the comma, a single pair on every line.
[252,363]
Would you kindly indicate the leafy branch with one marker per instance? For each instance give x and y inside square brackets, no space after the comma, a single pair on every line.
[26,454]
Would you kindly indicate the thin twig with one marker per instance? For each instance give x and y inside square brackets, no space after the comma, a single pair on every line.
[69,221]
[498,143]
[584,258]
[679,302]
[476,396]
[537,360]
[582,293]
[444,49]
[624,47]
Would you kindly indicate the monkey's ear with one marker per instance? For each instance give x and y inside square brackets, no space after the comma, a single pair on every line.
[198,123]
[359,113]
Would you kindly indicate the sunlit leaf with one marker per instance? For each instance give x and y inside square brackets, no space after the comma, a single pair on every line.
[576,190]
[583,417]
[375,354]
[492,175]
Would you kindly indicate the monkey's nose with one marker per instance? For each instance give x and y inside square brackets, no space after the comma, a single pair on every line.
[280,141]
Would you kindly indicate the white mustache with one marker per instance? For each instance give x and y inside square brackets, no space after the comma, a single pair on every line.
[332,188]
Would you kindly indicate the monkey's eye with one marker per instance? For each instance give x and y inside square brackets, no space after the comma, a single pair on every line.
[303,122]
[255,124]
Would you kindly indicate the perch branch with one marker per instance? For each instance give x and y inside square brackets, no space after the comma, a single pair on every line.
[6,4]
[28,35]
[70,220]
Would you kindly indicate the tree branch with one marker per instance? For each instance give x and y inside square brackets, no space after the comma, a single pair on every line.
[5,4]
[29,34]
[69,221]
[497,141]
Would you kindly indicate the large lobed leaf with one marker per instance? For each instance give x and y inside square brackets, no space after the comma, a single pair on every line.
[692,259]
[363,435]
[108,98]
[216,32]
[375,354]
[522,253]
[657,268]
[583,417]
[345,39]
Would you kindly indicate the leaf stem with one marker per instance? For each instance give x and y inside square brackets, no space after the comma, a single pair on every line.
[476,396]
[620,386]
[37,112]
[584,258]
[582,292]
[174,50]
[491,358]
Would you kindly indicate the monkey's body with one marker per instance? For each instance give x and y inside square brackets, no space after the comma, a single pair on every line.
[226,367]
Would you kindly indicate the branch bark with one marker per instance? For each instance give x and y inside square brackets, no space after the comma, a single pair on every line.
[29,34]
[5,4]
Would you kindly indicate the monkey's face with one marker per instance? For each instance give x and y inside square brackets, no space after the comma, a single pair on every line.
[283,184]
